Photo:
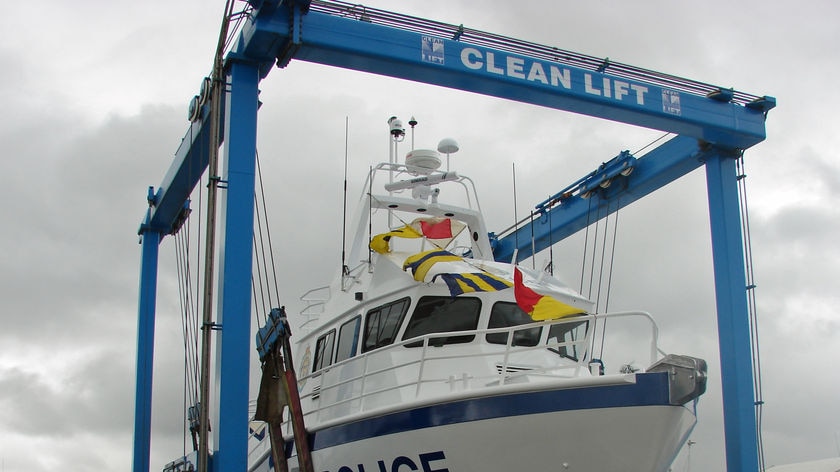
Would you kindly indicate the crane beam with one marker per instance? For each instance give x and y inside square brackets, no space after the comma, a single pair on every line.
[512,70]
[190,162]
[657,168]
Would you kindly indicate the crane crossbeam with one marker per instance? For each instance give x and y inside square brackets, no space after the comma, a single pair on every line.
[355,37]
[662,165]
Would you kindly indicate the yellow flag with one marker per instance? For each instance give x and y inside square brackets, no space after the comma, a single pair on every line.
[379,243]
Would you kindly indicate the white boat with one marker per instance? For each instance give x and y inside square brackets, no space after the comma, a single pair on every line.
[418,357]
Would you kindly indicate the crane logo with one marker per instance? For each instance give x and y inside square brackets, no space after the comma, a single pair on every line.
[431,50]
[671,102]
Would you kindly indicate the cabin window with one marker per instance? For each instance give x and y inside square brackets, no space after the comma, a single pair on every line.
[505,314]
[324,351]
[568,332]
[348,339]
[382,324]
[441,315]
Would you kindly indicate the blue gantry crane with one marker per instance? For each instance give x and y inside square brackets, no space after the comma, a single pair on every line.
[713,125]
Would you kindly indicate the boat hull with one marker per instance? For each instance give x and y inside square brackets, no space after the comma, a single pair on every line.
[599,429]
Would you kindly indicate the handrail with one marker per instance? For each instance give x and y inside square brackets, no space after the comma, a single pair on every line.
[424,355]
[402,168]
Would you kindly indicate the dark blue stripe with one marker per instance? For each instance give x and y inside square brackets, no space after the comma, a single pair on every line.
[493,281]
[649,389]
[455,289]
[451,283]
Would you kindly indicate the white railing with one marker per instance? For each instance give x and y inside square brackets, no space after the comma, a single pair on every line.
[398,373]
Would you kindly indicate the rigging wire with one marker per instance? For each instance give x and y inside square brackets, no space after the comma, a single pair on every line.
[591,261]
[258,270]
[515,217]
[257,318]
[183,304]
[585,245]
[191,348]
[752,308]
[550,245]
[652,143]
[258,254]
[268,231]
[594,251]
[612,257]
[583,270]
[268,282]
[601,268]
[189,313]
[533,244]
[609,277]
[188,322]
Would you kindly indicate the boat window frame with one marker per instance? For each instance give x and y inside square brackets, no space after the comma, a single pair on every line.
[570,327]
[380,341]
[354,343]
[501,338]
[319,351]
[443,340]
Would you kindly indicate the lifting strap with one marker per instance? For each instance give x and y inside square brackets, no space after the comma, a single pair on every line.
[279,389]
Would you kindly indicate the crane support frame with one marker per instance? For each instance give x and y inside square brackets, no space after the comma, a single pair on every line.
[513,74]
[236,259]
[733,322]
[712,123]
[150,243]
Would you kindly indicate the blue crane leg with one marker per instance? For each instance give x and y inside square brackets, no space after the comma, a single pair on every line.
[145,350]
[233,357]
[732,314]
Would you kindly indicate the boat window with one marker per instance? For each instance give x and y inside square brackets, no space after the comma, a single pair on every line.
[568,332]
[505,314]
[441,315]
[324,351]
[382,324]
[348,339]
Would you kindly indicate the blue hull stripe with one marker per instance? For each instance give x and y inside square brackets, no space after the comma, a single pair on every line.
[649,389]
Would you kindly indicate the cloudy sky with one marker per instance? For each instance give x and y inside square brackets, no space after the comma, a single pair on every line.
[95,97]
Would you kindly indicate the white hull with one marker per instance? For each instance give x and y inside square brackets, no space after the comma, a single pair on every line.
[599,429]
[549,441]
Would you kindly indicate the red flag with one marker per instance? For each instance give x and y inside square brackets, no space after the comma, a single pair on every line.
[437,230]
[540,307]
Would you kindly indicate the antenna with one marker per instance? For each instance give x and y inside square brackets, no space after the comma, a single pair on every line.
[344,269]
[412,122]
[550,244]
[395,136]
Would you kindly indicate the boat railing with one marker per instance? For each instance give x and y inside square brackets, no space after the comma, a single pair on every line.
[396,170]
[417,368]
[315,300]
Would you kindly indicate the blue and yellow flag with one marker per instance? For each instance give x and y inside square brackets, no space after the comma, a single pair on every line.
[421,263]
[454,271]
[473,282]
